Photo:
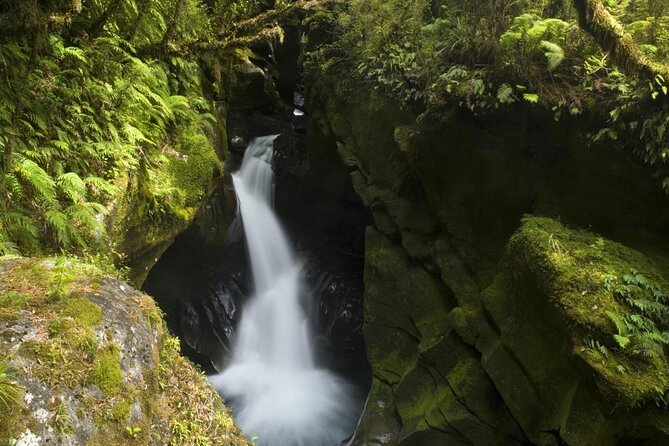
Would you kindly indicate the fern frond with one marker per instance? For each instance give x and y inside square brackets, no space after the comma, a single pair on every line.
[59,223]
[554,54]
[72,186]
[38,179]
[622,341]
[12,184]
[85,215]
[100,186]
[14,222]
[135,135]
[618,322]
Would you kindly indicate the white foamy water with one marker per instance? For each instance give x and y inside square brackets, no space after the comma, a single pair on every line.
[277,393]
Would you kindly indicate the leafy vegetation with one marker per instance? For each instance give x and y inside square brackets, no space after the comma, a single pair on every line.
[618,312]
[101,96]
[645,329]
[102,112]
[9,388]
[486,56]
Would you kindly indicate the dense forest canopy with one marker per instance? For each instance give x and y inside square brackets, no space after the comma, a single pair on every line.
[98,91]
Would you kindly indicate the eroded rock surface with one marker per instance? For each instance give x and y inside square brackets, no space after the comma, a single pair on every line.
[465,346]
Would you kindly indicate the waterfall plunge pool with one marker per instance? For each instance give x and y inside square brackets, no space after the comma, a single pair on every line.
[205,288]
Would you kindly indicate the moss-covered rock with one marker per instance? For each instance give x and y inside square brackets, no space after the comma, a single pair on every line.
[94,364]
[448,196]
[578,270]
[548,340]
[159,202]
[429,386]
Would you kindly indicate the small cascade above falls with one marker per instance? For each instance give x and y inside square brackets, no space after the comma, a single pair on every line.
[272,383]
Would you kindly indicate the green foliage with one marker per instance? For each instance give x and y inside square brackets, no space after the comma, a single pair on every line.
[9,389]
[486,55]
[554,54]
[639,120]
[644,331]
[108,106]
[528,39]
[133,431]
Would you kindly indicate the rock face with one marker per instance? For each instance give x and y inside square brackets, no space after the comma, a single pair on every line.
[550,296]
[90,362]
[470,337]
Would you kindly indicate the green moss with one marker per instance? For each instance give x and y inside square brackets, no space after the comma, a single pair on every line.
[8,316]
[83,311]
[121,410]
[633,386]
[572,268]
[57,363]
[107,374]
[81,339]
[12,422]
[13,300]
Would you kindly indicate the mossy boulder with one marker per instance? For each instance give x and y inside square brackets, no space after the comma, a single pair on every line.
[92,364]
[548,339]
[581,272]
[159,201]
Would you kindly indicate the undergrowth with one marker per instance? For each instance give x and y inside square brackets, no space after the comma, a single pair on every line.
[505,55]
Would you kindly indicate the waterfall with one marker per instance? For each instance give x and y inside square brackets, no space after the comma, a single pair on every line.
[272,384]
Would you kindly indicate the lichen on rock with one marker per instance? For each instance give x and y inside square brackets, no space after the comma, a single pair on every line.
[95,364]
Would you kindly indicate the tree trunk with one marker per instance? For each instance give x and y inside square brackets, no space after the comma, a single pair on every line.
[113,7]
[172,27]
[596,20]
[143,7]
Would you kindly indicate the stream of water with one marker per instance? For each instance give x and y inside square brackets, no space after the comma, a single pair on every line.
[277,392]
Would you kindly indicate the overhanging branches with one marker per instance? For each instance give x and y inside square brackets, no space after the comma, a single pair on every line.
[596,20]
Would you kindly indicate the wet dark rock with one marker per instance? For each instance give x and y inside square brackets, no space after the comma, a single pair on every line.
[201,291]
[456,357]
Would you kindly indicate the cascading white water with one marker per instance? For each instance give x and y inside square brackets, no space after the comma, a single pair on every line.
[277,393]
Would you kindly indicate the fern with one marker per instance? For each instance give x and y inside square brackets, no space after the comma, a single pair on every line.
[622,341]
[59,223]
[37,177]
[102,109]
[100,187]
[644,329]
[13,186]
[554,54]
[72,186]
[619,322]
